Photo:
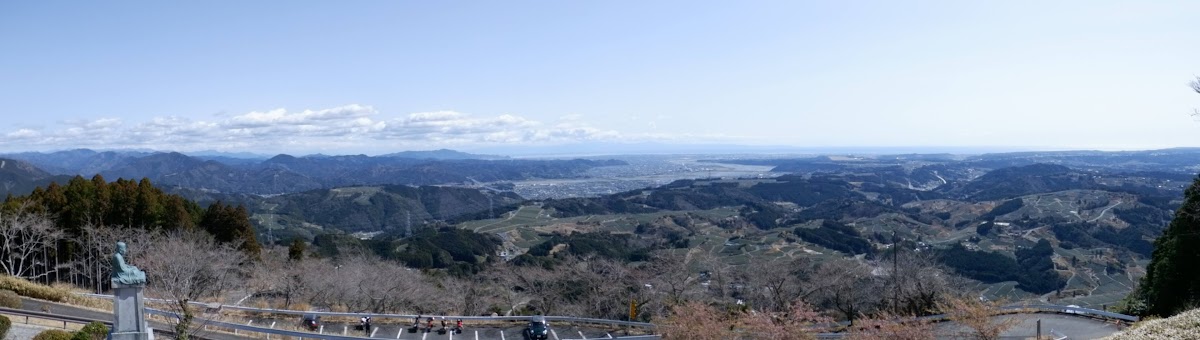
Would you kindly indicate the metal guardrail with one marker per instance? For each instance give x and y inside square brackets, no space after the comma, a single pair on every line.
[308,335]
[1088,312]
[230,325]
[1077,311]
[73,319]
[567,319]
[1085,312]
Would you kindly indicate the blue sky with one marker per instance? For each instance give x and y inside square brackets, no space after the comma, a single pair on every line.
[383,76]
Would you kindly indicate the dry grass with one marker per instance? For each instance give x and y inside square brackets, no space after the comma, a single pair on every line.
[73,298]
[1183,326]
[33,290]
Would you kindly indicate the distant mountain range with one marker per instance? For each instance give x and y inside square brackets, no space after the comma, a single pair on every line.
[286,173]
[20,178]
[442,154]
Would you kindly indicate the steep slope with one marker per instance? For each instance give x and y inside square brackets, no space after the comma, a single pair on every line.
[176,169]
[1171,283]
[20,178]
[83,162]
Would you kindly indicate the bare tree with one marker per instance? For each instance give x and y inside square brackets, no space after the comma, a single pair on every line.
[549,289]
[275,275]
[24,239]
[774,285]
[887,326]
[1195,84]
[848,287]
[697,321]
[919,284]
[610,288]
[797,322]
[981,318]
[188,266]
[508,292]
[99,242]
[673,276]
[718,274]
[378,286]
[323,279]
[464,296]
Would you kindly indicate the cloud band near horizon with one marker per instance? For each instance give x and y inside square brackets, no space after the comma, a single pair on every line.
[345,128]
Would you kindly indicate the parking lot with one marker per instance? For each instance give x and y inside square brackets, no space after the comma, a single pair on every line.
[388,329]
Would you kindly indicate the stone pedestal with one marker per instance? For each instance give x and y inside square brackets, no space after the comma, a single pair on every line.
[129,314]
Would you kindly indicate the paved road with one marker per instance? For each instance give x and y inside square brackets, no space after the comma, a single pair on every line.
[61,309]
[1073,327]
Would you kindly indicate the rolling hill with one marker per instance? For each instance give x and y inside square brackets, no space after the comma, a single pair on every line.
[20,178]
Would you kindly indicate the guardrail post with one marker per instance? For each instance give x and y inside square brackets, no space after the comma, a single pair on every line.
[1039,329]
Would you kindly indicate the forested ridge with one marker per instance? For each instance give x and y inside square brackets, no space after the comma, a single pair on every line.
[82,209]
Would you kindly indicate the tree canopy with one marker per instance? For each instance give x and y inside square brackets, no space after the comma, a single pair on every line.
[1172,284]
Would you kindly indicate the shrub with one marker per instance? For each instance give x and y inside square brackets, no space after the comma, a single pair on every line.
[5,324]
[92,331]
[9,299]
[33,290]
[53,334]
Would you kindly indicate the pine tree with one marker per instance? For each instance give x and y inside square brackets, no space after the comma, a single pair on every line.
[1172,283]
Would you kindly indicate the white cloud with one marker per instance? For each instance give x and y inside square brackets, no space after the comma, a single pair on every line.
[103,123]
[350,127]
[307,117]
[23,134]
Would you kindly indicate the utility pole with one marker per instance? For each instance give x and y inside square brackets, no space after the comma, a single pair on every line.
[491,207]
[407,224]
[895,272]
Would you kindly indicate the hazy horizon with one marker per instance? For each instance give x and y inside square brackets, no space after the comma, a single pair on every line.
[381,77]
[640,150]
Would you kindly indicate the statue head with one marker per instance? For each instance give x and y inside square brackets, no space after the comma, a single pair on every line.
[121,248]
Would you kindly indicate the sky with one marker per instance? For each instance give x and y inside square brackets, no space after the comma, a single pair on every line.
[375,77]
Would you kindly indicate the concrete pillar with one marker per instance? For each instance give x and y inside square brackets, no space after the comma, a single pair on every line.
[129,313]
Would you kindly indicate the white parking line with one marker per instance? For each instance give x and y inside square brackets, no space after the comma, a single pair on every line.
[321,330]
[344,328]
[373,332]
[476,335]
[423,335]
[501,335]
[401,331]
[609,335]
[555,334]
[581,336]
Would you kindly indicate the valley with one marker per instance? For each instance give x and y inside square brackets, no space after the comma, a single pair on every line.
[1049,228]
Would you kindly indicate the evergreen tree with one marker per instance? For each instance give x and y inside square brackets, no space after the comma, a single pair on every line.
[296,250]
[1172,283]
[229,224]
[149,206]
